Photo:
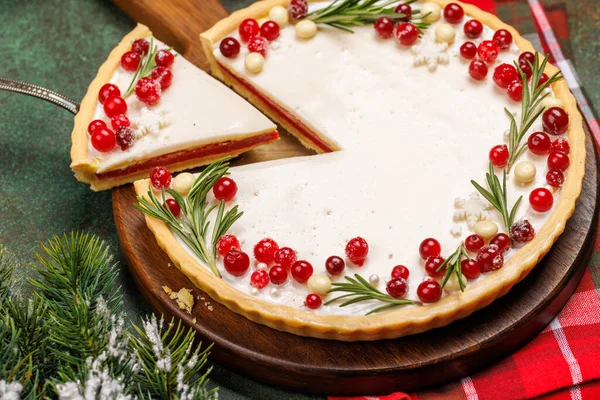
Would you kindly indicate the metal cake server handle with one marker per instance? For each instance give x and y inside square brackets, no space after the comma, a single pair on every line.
[39,92]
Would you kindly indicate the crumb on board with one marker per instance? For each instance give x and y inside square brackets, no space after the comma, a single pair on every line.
[184,298]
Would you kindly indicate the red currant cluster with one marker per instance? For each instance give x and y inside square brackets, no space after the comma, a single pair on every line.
[405,32]
[257,38]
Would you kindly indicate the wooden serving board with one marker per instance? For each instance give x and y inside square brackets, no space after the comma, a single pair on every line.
[341,368]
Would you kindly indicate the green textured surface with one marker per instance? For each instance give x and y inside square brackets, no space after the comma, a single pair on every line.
[59,45]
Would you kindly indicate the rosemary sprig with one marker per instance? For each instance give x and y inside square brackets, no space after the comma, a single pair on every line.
[345,14]
[357,289]
[144,68]
[192,226]
[496,195]
[453,265]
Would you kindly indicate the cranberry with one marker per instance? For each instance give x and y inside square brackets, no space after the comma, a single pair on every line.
[226,243]
[555,121]
[429,248]
[453,13]
[258,44]
[130,61]
[405,9]
[357,250]
[400,271]
[429,291]
[561,144]
[555,177]
[543,79]
[526,57]
[236,262]
[488,51]
[265,250]
[499,155]
[490,258]
[160,177]
[470,268]
[397,288]
[432,264]
[173,206]
[225,189]
[335,265]
[473,28]
[313,301]
[229,47]
[164,58]
[140,46]
[259,279]
[468,50]
[406,33]
[96,124]
[384,27]
[502,240]
[163,76]
[504,75]
[502,38]
[541,199]
[125,137]
[248,28]
[104,140]
[148,90]
[478,70]
[270,30]
[119,121]
[526,70]
[522,231]
[285,256]
[278,274]
[298,9]
[301,271]
[108,90]
[515,90]
[539,143]
[474,242]
[114,105]
[558,160]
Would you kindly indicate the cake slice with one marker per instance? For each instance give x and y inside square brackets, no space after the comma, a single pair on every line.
[148,107]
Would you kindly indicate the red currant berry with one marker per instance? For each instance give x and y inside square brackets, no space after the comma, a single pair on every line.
[543,79]
[502,240]
[397,288]
[164,58]
[226,243]
[429,248]
[225,189]
[541,199]
[406,33]
[278,274]
[468,50]
[561,144]
[526,70]
[488,51]
[108,90]
[470,268]
[130,61]
[384,27]
[301,271]
[490,258]
[173,206]
[270,30]
[504,75]
[473,28]
[229,47]
[429,291]
[558,160]
[357,250]
[298,9]
[474,243]
[114,105]
[539,143]
[148,90]
[104,140]
[125,137]
[96,124]
[555,177]
[248,28]
[515,90]
[432,264]
[236,262]
[522,231]
[405,9]
[259,279]
[503,39]
[140,46]
[400,271]
[258,44]
[163,76]
[119,121]
[526,57]
[285,257]
[555,121]
[265,250]
[313,301]
[499,155]
[478,70]
[160,177]
[335,265]
[453,13]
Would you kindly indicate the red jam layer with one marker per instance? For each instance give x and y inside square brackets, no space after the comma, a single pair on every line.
[210,150]
[292,120]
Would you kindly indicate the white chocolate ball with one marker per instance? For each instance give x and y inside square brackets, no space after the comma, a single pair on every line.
[452,285]
[254,62]
[319,284]
[550,102]
[262,266]
[280,15]
[525,171]
[445,33]
[306,29]
[433,9]
[486,229]
[183,183]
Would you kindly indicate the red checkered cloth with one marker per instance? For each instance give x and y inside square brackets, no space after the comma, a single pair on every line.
[562,362]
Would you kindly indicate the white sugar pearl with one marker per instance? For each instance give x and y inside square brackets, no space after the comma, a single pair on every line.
[433,9]
[255,291]
[486,229]
[453,285]
[183,183]
[525,171]
[319,284]
[374,279]
[280,15]
[254,62]
[445,33]
[262,266]
[275,292]
[306,29]
[549,102]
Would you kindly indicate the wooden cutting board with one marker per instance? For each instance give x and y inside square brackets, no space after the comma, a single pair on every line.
[340,368]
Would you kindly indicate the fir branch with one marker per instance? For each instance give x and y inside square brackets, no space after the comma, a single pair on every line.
[452,265]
